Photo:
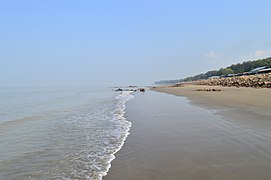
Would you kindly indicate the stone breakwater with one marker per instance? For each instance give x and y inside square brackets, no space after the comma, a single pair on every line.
[256,81]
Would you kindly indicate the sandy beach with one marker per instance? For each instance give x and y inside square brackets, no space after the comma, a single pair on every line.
[236,103]
[202,135]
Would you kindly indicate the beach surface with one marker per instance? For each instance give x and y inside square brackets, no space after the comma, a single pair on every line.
[194,137]
[241,103]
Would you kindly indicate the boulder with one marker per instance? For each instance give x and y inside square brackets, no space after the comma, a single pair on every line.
[119,89]
[257,81]
[142,90]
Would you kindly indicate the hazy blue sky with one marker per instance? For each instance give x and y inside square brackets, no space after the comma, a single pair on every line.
[77,42]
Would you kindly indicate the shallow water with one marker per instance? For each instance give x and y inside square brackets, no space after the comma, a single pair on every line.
[60,133]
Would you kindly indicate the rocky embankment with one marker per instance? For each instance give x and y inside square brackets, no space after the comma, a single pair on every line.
[256,81]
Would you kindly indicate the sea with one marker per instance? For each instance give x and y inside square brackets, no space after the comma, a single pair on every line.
[60,133]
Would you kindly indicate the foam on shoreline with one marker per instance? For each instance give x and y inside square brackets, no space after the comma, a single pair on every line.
[124,125]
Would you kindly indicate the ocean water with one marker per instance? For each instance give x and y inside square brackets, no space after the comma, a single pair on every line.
[60,133]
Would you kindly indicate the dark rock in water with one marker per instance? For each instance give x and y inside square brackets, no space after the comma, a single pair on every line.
[132,86]
[142,90]
[129,90]
[119,89]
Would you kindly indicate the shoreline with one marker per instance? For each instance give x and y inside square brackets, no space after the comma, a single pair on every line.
[171,138]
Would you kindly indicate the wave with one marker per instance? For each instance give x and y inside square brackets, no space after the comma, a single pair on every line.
[78,143]
[124,128]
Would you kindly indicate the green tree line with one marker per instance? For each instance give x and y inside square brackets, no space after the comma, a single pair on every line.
[246,66]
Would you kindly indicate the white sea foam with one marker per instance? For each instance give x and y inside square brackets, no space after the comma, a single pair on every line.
[123,131]
[73,136]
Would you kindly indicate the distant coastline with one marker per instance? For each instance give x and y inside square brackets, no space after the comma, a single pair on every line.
[245,68]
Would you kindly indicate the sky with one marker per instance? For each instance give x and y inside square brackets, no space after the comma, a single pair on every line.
[129,42]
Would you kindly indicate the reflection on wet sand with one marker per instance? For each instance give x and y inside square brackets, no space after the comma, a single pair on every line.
[172,139]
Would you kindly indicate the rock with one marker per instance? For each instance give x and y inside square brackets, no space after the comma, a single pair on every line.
[257,81]
[119,89]
[142,90]
[177,85]
[209,90]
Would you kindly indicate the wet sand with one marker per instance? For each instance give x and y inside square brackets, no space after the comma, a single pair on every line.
[174,139]
[243,104]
